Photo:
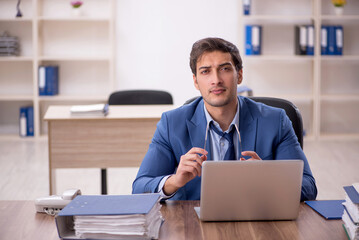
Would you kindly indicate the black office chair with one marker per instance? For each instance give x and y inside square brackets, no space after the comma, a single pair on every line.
[134,97]
[291,110]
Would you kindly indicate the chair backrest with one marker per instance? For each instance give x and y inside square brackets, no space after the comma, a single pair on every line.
[291,110]
[140,97]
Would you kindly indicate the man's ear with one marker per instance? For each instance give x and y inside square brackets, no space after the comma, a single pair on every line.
[240,76]
[195,82]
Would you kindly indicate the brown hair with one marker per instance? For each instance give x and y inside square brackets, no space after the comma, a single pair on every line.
[210,45]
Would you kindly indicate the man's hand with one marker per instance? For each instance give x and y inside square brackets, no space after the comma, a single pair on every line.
[252,154]
[189,167]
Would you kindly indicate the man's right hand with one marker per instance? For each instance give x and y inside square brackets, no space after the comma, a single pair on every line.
[189,167]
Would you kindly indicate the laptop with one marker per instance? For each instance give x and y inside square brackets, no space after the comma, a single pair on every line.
[250,190]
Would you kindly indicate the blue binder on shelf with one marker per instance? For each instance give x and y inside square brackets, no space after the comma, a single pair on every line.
[310,40]
[253,39]
[26,122]
[48,80]
[324,40]
[329,209]
[338,40]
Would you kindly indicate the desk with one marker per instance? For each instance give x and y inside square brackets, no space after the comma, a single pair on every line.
[120,139]
[19,221]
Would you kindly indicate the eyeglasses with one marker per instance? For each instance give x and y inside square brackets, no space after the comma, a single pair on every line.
[239,138]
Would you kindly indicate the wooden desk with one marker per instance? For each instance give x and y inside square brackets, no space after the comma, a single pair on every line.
[19,221]
[120,139]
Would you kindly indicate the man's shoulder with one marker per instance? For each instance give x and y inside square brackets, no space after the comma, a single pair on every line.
[259,109]
[184,111]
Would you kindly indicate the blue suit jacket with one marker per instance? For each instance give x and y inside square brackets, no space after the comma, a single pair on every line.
[265,130]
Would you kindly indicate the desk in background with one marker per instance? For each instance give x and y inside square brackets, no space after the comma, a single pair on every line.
[120,139]
[19,221]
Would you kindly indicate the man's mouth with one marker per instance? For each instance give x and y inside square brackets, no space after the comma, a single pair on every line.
[218,90]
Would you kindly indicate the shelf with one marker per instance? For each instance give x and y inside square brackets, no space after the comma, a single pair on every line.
[16,59]
[278,57]
[74,19]
[15,19]
[343,17]
[74,58]
[340,57]
[16,97]
[340,97]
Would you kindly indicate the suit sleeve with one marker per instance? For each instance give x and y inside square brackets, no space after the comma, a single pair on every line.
[158,162]
[289,148]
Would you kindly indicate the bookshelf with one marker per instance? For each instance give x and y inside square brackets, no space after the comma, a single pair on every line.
[82,46]
[325,88]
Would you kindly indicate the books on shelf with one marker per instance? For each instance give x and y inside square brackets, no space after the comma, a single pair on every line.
[48,80]
[26,122]
[351,211]
[304,39]
[89,110]
[253,39]
[331,40]
[135,216]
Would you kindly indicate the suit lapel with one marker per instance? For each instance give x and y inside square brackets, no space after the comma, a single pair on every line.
[197,129]
[247,126]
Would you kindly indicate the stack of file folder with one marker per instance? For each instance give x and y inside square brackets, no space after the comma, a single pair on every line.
[9,46]
[351,211]
[135,216]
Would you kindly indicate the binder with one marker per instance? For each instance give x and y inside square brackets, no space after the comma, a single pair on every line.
[26,122]
[253,39]
[310,39]
[107,205]
[331,40]
[329,209]
[48,80]
[300,40]
[338,40]
[324,40]
[23,122]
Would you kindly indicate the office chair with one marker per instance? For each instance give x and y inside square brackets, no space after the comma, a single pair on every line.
[291,110]
[134,97]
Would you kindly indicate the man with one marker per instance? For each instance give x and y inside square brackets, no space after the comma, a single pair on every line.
[210,128]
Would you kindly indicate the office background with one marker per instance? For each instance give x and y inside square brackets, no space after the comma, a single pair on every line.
[145,45]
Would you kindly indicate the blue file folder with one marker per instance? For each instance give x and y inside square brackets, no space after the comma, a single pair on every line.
[329,209]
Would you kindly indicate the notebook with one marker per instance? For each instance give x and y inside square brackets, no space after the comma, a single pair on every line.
[250,190]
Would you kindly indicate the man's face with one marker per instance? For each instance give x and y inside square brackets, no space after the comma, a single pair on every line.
[217,78]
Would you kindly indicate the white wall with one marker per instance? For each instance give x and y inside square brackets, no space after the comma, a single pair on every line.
[154,39]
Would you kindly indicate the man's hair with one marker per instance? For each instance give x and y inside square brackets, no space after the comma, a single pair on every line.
[210,45]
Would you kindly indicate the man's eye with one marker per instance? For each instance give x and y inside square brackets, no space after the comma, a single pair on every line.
[204,72]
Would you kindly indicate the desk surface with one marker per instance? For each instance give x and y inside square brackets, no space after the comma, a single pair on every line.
[18,220]
[115,112]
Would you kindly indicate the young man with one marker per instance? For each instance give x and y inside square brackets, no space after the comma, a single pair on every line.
[207,129]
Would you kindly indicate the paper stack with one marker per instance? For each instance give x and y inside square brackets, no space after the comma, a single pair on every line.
[351,211]
[135,216]
[9,46]
[89,110]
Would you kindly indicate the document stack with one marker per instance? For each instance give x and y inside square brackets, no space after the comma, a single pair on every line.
[135,216]
[351,211]
[332,39]
[26,121]
[89,110]
[9,46]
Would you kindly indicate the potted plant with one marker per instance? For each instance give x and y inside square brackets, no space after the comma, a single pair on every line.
[339,6]
[76,7]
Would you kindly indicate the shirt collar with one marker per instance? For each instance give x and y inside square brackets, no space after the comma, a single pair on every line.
[235,120]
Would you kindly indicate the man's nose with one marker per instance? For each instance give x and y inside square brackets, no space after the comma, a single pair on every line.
[216,78]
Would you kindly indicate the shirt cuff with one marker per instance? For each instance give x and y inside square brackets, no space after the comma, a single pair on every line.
[160,188]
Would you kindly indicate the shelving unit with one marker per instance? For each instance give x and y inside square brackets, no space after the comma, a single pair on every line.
[325,88]
[82,47]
